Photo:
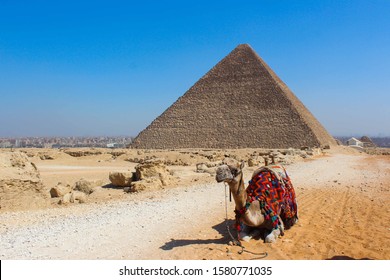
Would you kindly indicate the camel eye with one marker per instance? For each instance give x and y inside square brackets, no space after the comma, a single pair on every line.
[234,172]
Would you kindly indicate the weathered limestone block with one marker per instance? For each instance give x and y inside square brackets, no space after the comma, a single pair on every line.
[84,186]
[60,190]
[147,184]
[65,199]
[121,179]
[253,162]
[150,175]
[203,168]
[77,196]
[150,169]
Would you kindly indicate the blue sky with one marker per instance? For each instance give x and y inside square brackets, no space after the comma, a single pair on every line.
[89,68]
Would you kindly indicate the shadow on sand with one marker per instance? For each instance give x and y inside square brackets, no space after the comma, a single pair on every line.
[346,258]
[111,186]
[220,228]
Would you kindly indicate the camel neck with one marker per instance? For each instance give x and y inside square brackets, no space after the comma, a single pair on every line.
[237,188]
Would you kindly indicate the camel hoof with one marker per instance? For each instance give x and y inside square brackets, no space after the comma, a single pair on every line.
[270,238]
[246,238]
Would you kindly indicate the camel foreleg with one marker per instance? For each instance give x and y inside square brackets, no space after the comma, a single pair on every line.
[275,233]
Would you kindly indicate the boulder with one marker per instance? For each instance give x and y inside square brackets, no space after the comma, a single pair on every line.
[73,197]
[60,190]
[84,186]
[150,169]
[65,199]
[253,162]
[203,168]
[150,175]
[77,196]
[146,184]
[314,152]
[121,179]
[230,161]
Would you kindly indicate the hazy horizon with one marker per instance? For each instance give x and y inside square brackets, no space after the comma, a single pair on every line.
[110,68]
[133,136]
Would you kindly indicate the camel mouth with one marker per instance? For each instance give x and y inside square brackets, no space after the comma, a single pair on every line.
[223,174]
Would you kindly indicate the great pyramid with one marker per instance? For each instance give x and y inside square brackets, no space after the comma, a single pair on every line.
[239,103]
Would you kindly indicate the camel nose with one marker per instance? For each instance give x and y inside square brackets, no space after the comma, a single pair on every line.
[219,180]
[223,173]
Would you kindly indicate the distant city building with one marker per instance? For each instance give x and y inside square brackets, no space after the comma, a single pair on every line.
[353,142]
[6,144]
[114,145]
[66,142]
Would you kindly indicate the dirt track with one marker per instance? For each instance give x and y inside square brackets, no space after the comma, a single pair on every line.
[343,208]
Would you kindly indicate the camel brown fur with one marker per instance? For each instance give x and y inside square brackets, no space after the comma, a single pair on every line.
[252,219]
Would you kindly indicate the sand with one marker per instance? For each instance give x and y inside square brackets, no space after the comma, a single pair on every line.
[343,199]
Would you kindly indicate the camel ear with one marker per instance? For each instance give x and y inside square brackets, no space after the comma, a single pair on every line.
[242,165]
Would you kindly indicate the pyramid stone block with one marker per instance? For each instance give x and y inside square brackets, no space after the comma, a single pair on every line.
[239,103]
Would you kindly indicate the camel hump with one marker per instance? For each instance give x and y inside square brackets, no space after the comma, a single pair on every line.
[278,170]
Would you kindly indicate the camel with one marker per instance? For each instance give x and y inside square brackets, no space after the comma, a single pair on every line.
[255,212]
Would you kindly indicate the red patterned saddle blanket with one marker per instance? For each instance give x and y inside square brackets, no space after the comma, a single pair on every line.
[272,187]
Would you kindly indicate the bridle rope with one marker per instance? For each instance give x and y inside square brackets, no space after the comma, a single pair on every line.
[234,240]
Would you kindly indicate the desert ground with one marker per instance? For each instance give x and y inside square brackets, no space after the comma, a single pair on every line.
[343,198]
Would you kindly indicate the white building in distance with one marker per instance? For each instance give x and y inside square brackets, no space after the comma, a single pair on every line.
[353,142]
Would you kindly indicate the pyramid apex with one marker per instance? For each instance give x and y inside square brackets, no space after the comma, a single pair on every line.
[244,46]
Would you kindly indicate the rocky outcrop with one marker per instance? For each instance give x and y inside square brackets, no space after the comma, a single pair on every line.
[60,190]
[151,169]
[150,175]
[73,197]
[77,194]
[84,186]
[82,152]
[121,179]
[205,168]
[21,186]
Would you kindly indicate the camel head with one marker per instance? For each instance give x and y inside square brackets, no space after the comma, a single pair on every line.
[229,171]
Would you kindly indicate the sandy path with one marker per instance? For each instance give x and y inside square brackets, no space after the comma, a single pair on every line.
[133,229]
[343,208]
